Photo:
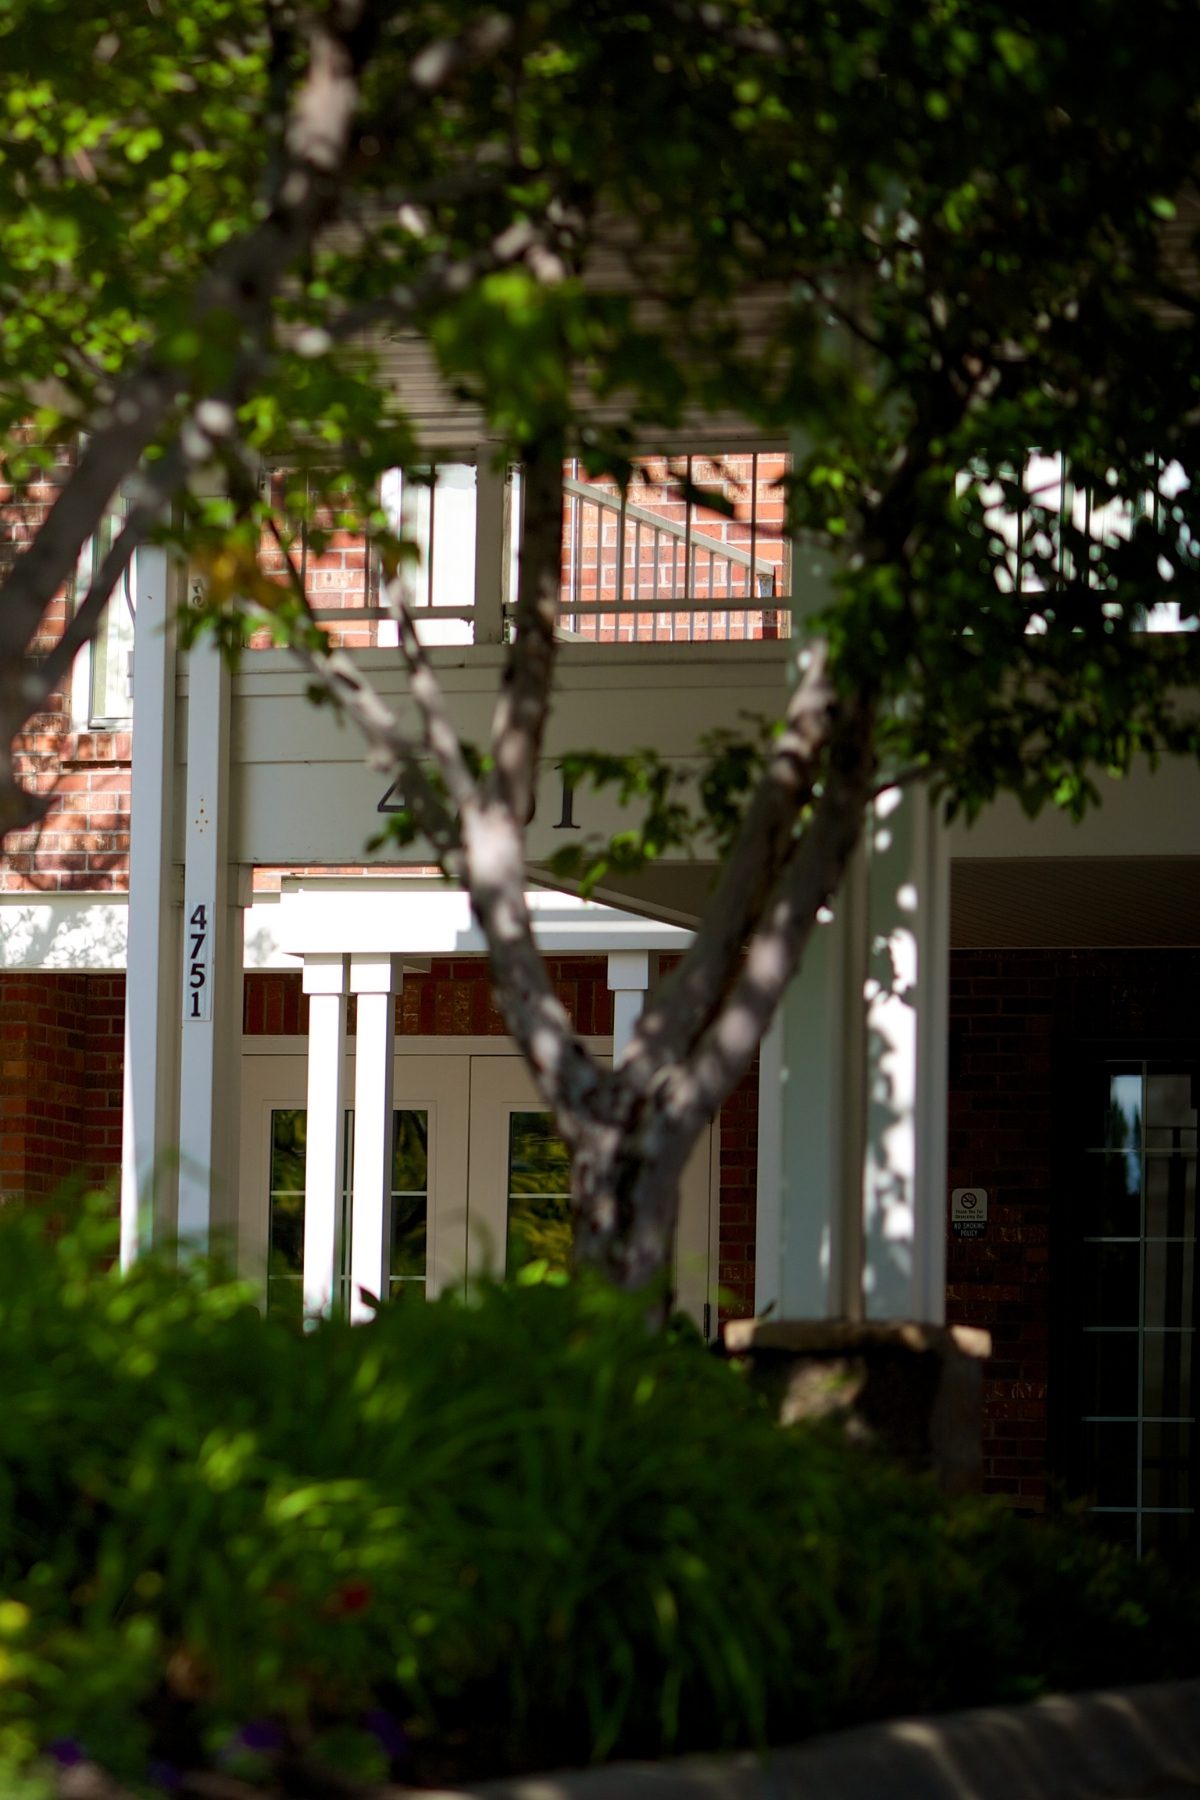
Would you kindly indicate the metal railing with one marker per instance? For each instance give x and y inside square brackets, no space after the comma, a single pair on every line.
[638,572]
[651,563]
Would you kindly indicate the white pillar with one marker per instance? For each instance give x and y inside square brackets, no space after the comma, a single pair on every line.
[210,1055]
[151,1128]
[324,1171]
[628,980]
[810,1134]
[904,1175]
[376,981]
[492,528]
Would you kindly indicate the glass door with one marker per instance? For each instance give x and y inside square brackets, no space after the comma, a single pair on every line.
[519,1199]
[480,1179]
[429,1174]
[1133,1362]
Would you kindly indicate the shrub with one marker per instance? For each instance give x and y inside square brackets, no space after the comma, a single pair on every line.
[467,1537]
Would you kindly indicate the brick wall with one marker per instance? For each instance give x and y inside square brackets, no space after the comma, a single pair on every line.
[61,1057]
[1001,1120]
[650,565]
[83,841]
[453,1000]
[1019,1023]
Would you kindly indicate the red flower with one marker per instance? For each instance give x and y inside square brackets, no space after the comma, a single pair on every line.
[350,1597]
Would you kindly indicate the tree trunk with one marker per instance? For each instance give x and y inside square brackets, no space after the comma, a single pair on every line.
[625,1205]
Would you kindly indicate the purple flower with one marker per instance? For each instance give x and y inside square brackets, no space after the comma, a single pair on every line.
[388,1732]
[260,1734]
[67,1752]
[165,1775]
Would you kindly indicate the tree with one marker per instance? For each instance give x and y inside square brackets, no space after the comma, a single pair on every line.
[974,229]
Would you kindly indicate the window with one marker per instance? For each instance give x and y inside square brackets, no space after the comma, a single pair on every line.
[410,1206]
[1132,1348]
[539,1193]
[104,679]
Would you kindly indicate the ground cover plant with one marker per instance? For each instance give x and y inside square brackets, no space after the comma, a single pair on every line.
[514,1531]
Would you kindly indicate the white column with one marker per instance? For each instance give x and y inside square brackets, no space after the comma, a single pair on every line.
[211,1025]
[376,981]
[907,1020]
[151,1120]
[810,1136]
[808,1257]
[628,980]
[492,497]
[324,1171]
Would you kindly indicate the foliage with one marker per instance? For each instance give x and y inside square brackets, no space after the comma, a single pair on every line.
[919,241]
[468,1536]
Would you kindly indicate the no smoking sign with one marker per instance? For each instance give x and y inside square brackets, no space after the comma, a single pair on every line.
[968,1212]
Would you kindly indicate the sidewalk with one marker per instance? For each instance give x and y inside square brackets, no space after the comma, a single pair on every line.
[1129,1744]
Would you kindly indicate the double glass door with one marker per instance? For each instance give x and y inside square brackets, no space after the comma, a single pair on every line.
[480,1179]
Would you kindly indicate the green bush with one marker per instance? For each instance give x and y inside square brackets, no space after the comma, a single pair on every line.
[473,1536]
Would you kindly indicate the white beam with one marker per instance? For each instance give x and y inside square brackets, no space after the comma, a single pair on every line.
[376,981]
[151,1092]
[415,918]
[324,1170]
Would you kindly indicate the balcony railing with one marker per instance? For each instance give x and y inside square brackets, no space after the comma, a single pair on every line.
[651,563]
[664,567]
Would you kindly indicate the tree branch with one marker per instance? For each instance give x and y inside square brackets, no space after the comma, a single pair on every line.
[157,487]
[241,284]
[441,738]
[389,746]
[519,721]
[773,954]
[765,842]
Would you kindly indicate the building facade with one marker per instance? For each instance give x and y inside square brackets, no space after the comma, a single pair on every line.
[979,1102]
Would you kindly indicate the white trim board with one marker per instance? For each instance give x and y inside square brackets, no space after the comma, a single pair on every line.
[86,934]
[63,934]
[400,917]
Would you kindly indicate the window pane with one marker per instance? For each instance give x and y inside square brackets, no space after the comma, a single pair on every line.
[1113,1203]
[111,696]
[1167,1374]
[1110,1458]
[1167,1465]
[410,1206]
[1170,1268]
[435,508]
[1111,1277]
[1170,1196]
[1123,1123]
[410,1200]
[1171,1098]
[1109,1372]
[539,1193]
[285,1259]
[1171,1536]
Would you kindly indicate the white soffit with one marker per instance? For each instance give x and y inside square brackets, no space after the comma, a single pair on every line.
[1084,902]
